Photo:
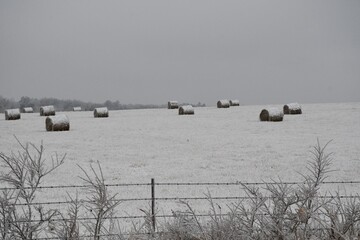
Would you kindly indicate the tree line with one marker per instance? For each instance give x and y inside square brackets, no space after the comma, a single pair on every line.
[68,105]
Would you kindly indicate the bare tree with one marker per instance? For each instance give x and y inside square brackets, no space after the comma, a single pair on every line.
[277,211]
[23,175]
[67,227]
[100,203]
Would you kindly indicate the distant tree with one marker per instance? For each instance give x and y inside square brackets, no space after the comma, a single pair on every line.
[199,104]
[67,105]
[2,104]
[25,102]
[108,104]
[7,104]
[117,105]
[113,105]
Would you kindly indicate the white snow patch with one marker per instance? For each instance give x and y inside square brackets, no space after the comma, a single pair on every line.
[59,119]
[102,110]
[294,106]
[274,111]
[13,112]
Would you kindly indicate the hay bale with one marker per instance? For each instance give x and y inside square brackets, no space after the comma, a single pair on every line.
[234,102]
[57,123]
[186,110]
[101,112]
[272,115]
[173,105]
[76,109]
[224,103]
[292,108]
[47,110]
[12,114]
[27,110]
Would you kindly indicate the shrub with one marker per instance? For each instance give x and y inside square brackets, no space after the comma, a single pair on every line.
[24,173]
[279,211]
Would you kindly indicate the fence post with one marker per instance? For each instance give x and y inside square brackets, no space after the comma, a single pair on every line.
[153,203]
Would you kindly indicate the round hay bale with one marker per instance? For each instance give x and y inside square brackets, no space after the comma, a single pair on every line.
[57,123]
[12,114]
[234,102]
[27,110]
[173,105]
[272,115]
[47,110]
[76,109]
[101,112]
[292,108]
[224,103]
[186,110]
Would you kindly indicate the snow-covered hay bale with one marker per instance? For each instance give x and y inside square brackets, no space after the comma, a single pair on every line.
[292,108]
[234,102]
[272,114]
[27,110]
[101,112]
[57,123]
[12,114]
[173,105]
[47,110]
[186,110]
[224,103]
[76,109]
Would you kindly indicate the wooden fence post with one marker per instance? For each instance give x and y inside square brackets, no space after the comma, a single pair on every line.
[153,203]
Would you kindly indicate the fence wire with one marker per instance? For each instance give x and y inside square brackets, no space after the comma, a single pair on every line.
[167,199]
[180,184]
[174,215]
[179,199]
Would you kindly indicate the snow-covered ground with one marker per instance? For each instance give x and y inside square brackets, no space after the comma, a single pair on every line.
[214,145]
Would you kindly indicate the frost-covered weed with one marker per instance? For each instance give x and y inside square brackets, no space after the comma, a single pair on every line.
[277,211]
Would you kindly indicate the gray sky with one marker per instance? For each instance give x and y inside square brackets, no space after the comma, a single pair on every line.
[141,51]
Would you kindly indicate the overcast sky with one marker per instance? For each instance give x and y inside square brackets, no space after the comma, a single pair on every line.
[152,51]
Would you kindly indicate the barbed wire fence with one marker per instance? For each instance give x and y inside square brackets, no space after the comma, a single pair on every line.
[161,198]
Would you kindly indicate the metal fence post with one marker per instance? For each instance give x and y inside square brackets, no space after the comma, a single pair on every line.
[153,203]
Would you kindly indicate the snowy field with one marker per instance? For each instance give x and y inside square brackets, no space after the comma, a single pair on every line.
[214,145]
